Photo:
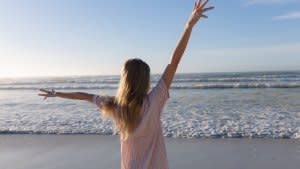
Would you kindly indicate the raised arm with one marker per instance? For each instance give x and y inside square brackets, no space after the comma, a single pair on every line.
[198,11]
[72,95]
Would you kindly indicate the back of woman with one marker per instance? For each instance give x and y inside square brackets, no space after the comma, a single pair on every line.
[145,147]
[135,112]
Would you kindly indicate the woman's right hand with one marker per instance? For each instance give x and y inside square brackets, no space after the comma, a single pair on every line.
[198,11]
[47,93]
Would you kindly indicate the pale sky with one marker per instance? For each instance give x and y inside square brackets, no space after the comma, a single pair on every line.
[95,37]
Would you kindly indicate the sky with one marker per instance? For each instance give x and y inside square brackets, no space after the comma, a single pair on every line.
[95,37]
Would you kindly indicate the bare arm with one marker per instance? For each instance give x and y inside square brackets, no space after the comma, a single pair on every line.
[72,95]
[197,13]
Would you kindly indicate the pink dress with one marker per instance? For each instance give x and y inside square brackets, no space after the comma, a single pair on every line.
[145,147]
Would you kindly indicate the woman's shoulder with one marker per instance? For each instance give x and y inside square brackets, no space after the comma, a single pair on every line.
[159,94]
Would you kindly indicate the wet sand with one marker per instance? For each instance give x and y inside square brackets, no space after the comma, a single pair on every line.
[103,152]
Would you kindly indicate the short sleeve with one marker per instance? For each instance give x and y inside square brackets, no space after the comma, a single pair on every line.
[99,100]
[159,95]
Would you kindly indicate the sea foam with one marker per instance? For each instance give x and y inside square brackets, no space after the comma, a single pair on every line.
[249,105]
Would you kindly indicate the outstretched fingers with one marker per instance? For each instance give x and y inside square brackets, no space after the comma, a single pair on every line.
[44,90]
[199,6]
[204,16]
[205,2]
[46,93]
[199,10]
[208,9]
[45,96]
[199,3]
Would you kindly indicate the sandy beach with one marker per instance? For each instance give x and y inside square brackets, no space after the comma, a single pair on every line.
[97,152]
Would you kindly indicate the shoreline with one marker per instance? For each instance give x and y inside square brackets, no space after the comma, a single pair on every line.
[96,151]
[213,137]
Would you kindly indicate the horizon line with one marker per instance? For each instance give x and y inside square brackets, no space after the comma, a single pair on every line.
[154,74]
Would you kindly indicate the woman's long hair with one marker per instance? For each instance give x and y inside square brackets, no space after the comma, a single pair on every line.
[133,88]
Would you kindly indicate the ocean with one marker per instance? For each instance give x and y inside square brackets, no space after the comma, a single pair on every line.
[201,105]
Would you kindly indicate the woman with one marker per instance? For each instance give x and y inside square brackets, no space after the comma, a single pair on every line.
[134,111]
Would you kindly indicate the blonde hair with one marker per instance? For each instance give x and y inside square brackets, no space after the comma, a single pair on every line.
[133,88]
